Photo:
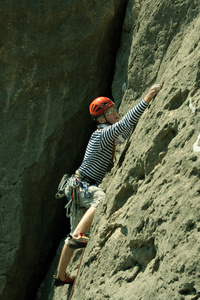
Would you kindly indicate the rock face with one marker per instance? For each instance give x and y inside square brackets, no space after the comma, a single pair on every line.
[55,56]
[145,238]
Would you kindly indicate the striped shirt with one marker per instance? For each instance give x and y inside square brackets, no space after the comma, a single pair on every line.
[99,149]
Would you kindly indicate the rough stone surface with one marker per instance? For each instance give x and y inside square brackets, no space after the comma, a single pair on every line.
[145,239]
[55,56]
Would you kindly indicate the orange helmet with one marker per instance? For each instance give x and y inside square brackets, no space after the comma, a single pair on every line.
[99,105]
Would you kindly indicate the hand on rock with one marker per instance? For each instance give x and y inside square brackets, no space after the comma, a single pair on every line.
[154,90]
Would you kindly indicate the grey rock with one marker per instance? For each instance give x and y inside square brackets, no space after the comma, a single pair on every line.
[144,241]
[145,235]
[55,57]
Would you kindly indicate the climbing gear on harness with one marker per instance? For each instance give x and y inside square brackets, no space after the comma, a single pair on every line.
[69,187]
[71,192]
[84,185]
[98,106]
[79,242]
[68,280]
[62,186]
[83,251]
[84,182]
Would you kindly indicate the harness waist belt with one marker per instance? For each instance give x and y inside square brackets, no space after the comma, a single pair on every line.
[85,178]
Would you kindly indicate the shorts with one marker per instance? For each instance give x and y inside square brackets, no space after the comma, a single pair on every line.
[93,200]
[84,203]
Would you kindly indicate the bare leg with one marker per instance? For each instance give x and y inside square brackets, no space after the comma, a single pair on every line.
[67,252]
[85,222]
[65,258]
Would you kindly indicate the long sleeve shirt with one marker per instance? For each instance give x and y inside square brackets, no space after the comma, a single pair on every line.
[100,146]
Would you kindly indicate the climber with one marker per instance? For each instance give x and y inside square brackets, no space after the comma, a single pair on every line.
[97,160]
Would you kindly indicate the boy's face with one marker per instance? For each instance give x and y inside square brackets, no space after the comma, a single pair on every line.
[111,116]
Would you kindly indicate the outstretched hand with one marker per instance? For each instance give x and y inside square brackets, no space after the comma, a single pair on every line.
[154,90]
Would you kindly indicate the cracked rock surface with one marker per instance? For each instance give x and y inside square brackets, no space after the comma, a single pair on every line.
[55,59]
[145,238]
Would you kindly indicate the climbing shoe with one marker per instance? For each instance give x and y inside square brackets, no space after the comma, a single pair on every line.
[68,280]
[79,242]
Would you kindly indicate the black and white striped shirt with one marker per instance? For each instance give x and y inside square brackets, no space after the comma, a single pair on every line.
[99,149]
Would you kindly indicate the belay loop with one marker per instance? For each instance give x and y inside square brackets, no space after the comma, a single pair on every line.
[84,185]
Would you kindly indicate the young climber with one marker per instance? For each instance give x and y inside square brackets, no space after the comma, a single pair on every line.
[97,160]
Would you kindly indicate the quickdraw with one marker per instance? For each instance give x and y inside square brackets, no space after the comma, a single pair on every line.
[72,195]
[62,185]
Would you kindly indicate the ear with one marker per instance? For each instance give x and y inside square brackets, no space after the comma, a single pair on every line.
[101,120]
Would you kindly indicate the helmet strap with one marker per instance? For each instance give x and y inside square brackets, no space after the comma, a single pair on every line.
[106,119]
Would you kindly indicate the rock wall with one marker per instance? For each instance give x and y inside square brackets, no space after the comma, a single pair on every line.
[55,56]
[145,239]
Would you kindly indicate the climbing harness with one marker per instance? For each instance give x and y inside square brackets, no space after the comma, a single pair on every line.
[69,187]
[77,274]
[84,185]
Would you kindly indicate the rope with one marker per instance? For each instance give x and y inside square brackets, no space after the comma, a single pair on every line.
[77,274]
[112,158]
